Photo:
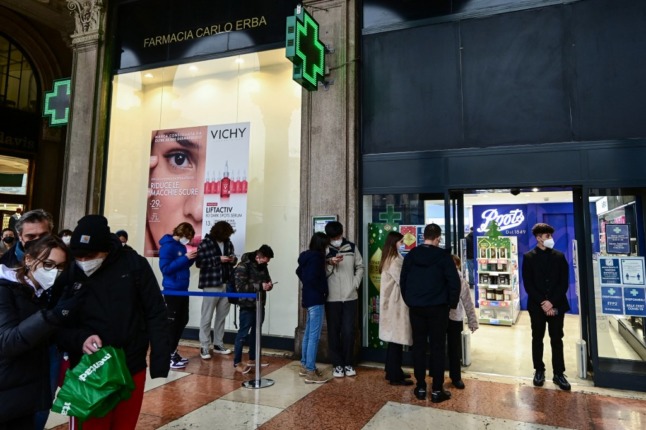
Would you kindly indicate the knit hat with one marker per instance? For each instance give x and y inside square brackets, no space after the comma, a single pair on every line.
[91,234]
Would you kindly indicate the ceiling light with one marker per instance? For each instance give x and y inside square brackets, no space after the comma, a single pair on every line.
[148,75]
[193,68]
[239,60]
[535,190]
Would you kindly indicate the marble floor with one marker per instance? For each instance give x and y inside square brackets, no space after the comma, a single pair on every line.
[209,395]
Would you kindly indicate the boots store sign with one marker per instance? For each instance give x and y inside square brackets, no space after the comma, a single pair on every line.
[510,221]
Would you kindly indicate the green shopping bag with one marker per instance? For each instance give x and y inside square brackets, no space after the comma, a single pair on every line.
[95,385]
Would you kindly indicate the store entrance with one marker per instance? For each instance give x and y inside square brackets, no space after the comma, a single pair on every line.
[502,344]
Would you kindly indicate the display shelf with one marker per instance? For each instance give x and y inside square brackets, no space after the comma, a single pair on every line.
[497,280]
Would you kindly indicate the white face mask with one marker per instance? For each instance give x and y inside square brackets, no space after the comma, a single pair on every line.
[45,278]
[336,243]
[183,240]
[66,239]
[90,266]
[548,243]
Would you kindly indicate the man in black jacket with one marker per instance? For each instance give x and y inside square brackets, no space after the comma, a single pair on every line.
[123,307]
[546,280]
[430,285]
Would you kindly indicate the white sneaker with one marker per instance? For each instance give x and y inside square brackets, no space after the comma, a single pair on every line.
[204,353]
[338,372]
[349,371]
[221,349]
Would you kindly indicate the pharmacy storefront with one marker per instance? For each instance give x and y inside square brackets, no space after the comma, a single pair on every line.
[204,126]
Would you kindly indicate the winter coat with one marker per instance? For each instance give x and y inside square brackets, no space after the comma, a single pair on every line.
[249,276]
[394,322]
[213,272]
[174,264]
[546,277]
[465,306]
[311,272]
[429,278]
[124,307]
[9,258]
[24,352]
[344,278]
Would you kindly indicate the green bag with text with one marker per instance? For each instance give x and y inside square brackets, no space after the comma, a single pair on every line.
[95,385]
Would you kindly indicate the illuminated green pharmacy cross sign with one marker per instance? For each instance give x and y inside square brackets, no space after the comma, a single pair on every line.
[304,49]
[57,103]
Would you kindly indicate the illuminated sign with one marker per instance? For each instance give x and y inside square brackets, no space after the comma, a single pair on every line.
[57,103]
[304,49]
[505,221]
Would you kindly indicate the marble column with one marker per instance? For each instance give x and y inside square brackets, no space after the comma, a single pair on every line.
[329,144]
[85,140]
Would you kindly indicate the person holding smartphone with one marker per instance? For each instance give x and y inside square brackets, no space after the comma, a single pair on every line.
[175,262]
[216,259]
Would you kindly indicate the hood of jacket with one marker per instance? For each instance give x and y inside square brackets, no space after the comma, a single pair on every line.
[166,239]
[308,256]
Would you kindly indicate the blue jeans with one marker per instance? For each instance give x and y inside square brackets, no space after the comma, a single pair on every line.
[247,330]
[311,336]
[470,264]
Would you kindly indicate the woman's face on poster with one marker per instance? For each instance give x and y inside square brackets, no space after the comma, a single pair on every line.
[176,190]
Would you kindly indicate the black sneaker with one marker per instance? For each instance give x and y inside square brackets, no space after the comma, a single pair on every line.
[539,378]
[176,357]
[459,384]
[420,393]
[177,364]
[561,382]
[440,396]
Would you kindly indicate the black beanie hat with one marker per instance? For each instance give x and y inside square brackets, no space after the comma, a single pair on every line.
[91,234]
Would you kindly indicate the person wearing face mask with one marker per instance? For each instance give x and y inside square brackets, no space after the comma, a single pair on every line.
[394,323]
[123,308]
[31,226]
[251,276]
[8,239]
[175,263]
[27,326]
[345,272]
[546,280]
[66,236]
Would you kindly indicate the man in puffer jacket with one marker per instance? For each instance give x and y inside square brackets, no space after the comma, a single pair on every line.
[175,264]
[345,271]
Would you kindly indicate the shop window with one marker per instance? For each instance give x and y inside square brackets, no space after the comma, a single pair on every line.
[18,87]
[619,284]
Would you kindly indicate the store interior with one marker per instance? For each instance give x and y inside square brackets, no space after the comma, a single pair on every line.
[502,344]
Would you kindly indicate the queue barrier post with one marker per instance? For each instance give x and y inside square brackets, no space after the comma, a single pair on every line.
[259,382]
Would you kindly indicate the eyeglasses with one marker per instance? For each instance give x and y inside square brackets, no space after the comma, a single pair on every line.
[51,265]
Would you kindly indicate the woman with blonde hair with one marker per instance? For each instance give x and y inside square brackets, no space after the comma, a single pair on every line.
[394,323]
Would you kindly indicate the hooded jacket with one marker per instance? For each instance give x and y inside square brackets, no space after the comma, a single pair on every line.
[429,278]
[345,277]
[249,276]
[174,264]
[311,272]
[124,307]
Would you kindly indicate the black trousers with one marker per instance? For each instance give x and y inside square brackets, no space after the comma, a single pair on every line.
[393,365]
[22,423]
[429,324]
[177,307]
[454,346]
[555,329]
[341,321]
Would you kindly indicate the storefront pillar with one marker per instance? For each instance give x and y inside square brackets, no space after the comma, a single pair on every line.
[84,152]
[329,183]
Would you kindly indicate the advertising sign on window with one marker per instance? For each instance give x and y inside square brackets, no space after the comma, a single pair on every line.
[197,175]
[623,289]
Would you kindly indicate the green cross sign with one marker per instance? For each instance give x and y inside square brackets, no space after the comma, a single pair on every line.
[304,49]
[57,102]
[390,216]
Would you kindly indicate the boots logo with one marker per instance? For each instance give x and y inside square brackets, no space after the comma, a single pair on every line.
[505,221]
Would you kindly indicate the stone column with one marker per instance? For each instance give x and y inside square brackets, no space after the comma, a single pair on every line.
[84,151]
[329,129]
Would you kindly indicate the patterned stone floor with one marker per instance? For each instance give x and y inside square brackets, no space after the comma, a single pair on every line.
[209,395]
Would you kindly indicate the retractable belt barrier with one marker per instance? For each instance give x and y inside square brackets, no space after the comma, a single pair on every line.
[254,383]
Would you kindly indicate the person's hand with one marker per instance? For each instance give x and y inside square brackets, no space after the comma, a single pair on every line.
[546,305]
[473,327]
[191,254]
[92,344]
[68,305]
[551,312]
[267,286]
[225,259]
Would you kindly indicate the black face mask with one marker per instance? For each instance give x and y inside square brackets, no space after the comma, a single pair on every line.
[8,240]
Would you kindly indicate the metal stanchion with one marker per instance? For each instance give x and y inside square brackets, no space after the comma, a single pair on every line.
[258,382]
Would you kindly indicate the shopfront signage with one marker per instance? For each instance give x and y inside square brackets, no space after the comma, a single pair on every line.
[57,103]
[618,238]
[304,49]
[505,220]
[623,289]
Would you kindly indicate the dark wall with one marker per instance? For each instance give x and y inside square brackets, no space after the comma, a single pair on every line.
[560,73]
